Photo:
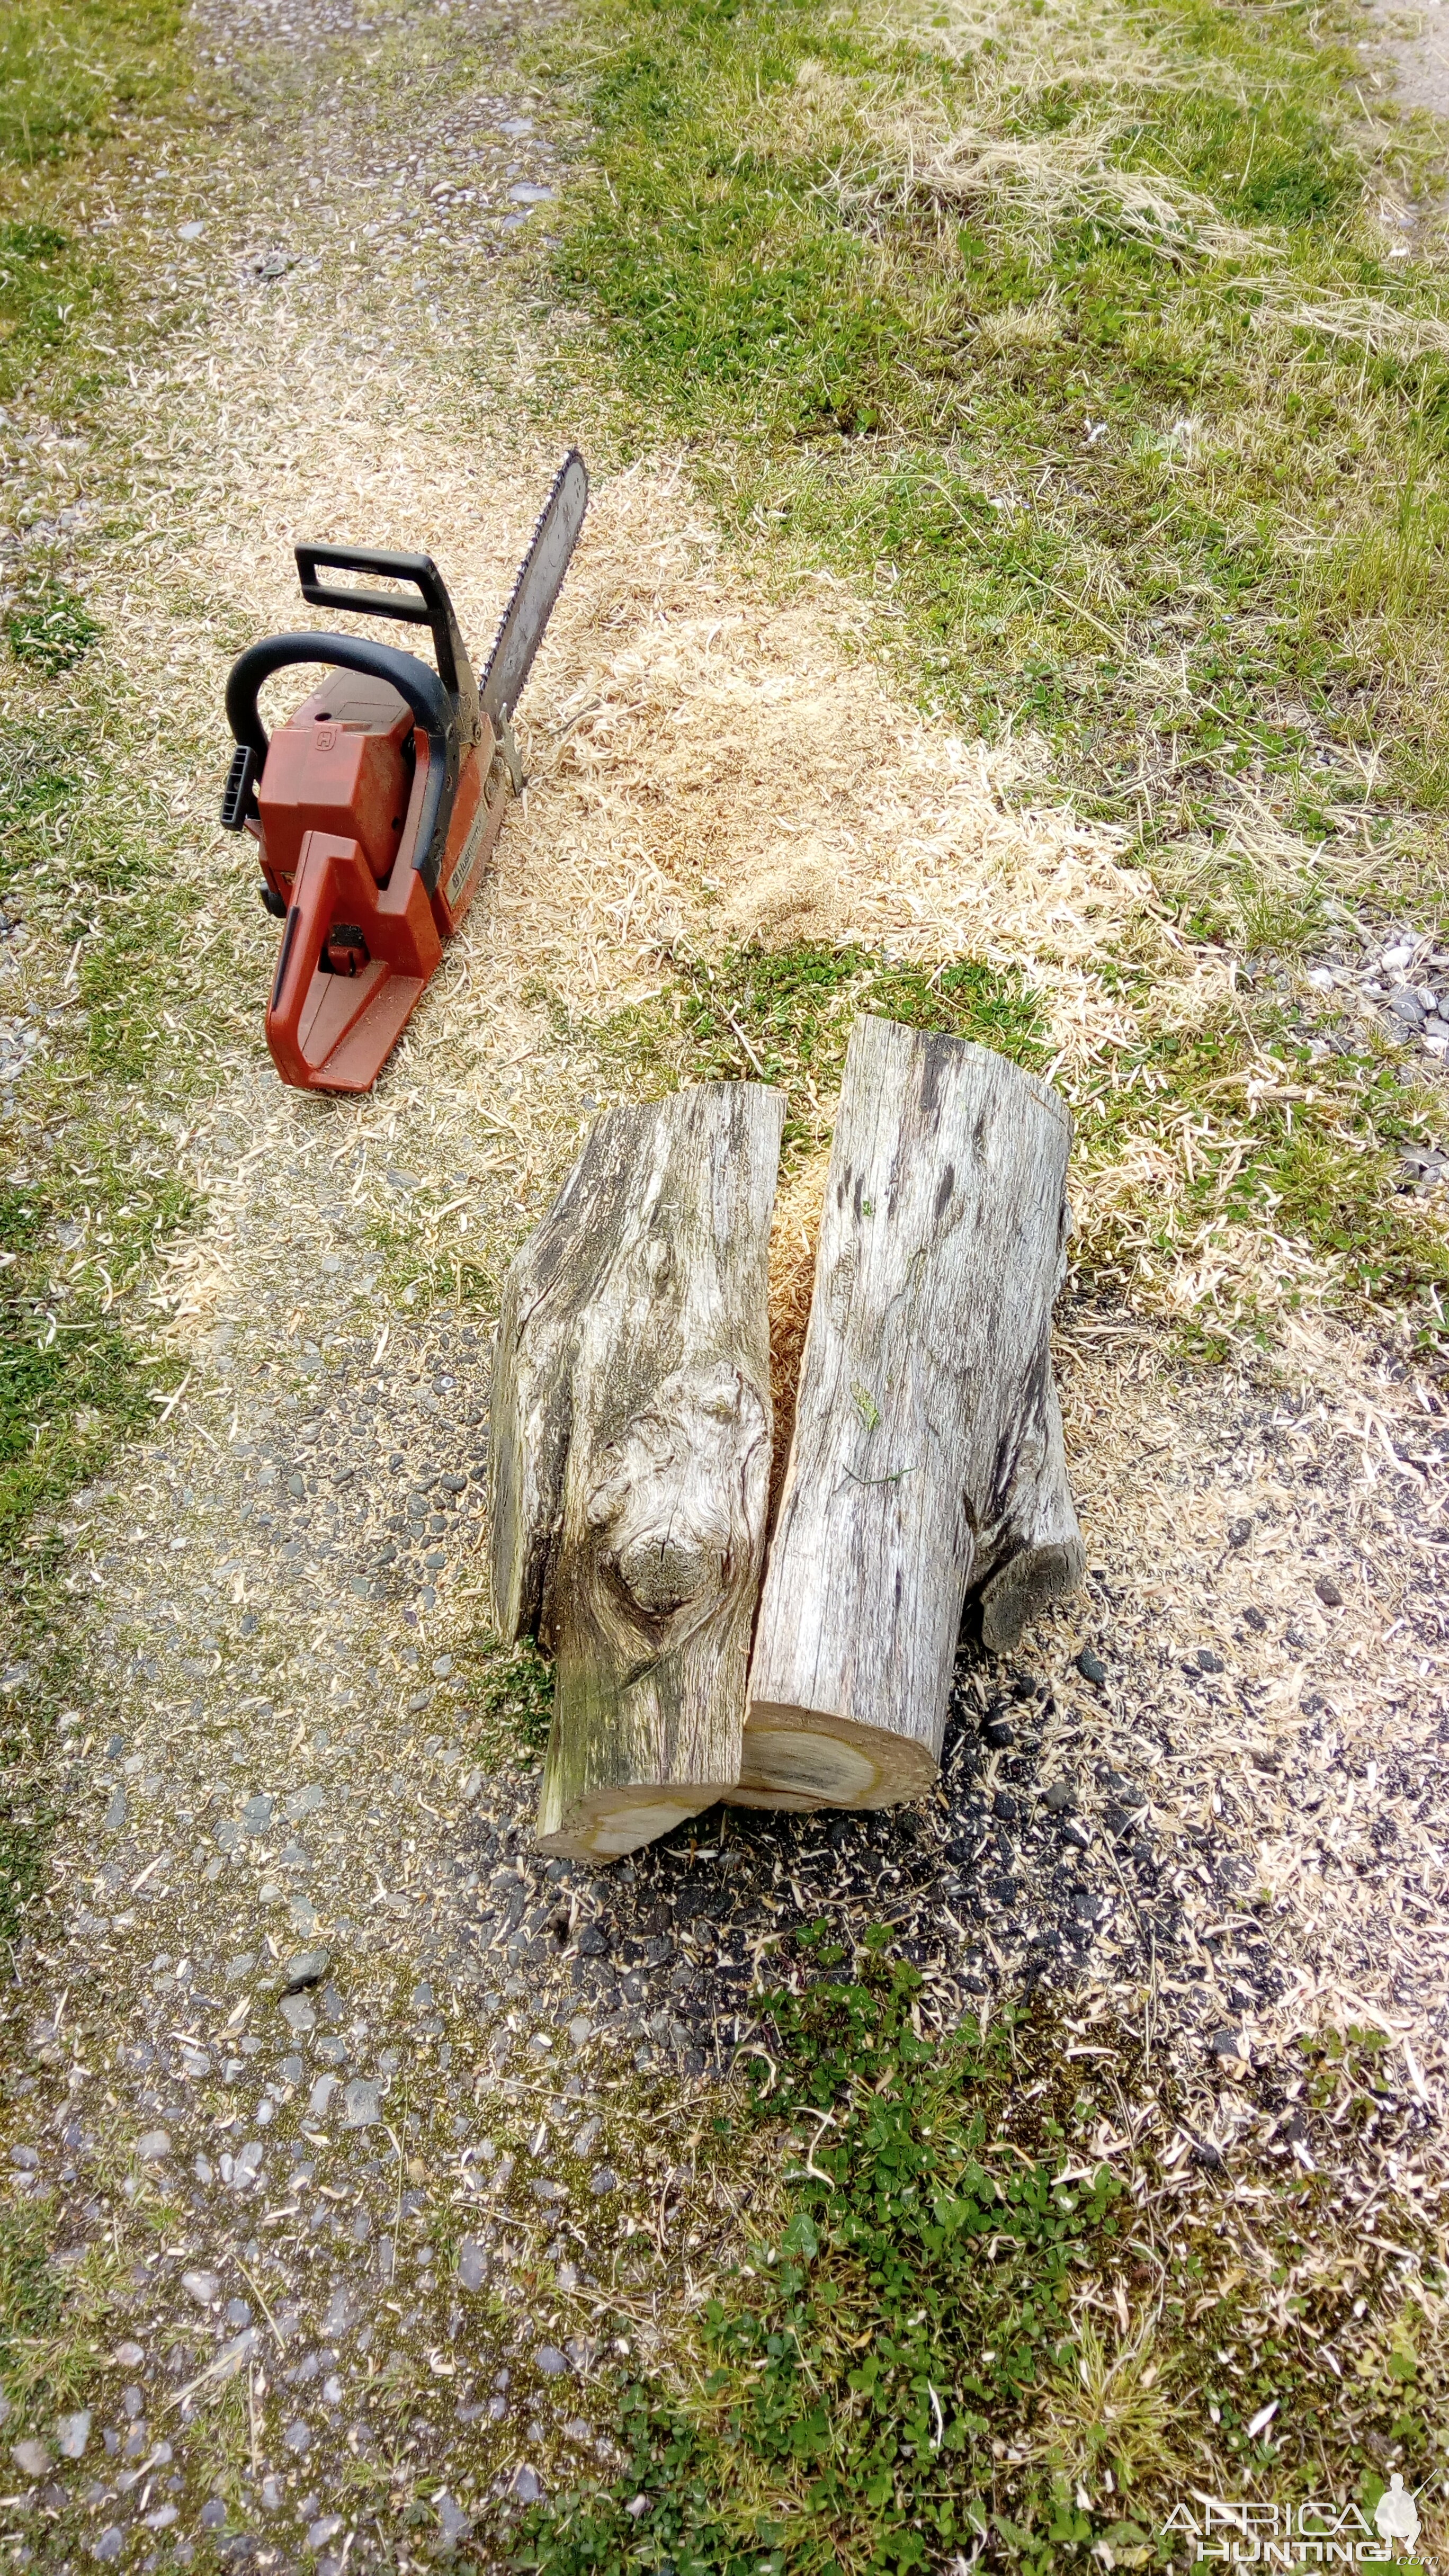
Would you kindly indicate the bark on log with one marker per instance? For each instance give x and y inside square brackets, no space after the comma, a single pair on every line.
[630,1459]
[926,1459]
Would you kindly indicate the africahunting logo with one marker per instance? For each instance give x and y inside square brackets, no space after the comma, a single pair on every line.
[1221,2530]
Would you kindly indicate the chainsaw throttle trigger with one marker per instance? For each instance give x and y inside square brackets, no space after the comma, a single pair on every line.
[432,608]
[434,710]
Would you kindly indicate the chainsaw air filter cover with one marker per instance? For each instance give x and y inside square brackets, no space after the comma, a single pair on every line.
[344,761]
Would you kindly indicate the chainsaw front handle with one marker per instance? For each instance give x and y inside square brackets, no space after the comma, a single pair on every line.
[435,713]
[431,608]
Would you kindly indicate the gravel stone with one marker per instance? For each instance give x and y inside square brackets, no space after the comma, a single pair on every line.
[308,1968]
[454,2523]
[362,2102]
[72,2434]
[342,2314]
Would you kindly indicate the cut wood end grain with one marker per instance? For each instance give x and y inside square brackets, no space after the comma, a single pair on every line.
[792,1760]
[613,1822]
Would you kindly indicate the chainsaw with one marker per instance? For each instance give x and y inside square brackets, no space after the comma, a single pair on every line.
[377,803]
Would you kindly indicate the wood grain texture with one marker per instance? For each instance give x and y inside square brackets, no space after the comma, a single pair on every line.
[926,1460]
[630,1459]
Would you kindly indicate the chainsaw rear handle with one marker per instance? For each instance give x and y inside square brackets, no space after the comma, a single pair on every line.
[433,608]
[434,710]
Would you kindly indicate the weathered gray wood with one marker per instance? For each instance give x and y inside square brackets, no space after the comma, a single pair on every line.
[630,1459]
[926,1460]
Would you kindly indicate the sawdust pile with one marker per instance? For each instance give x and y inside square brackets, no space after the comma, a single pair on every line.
[705,763]
[794,1237]
[701,756]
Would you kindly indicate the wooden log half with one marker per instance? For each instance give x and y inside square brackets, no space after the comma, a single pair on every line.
[926,1460]
[630,1459]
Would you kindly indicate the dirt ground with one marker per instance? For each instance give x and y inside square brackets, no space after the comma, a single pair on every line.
[357,2106]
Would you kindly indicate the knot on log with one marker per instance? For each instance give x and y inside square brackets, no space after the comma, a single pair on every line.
[678,1497]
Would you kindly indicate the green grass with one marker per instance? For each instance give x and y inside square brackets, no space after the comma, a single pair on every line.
[89,1186]
[1103,499]
[1073,339]
[89,1183]
[784,1016]
[966,2332]
[1316,1164]
[51,629]
[76,1381]
[73,79]
[49,2318]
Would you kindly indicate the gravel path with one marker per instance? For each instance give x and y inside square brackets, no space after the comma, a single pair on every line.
[372,2133]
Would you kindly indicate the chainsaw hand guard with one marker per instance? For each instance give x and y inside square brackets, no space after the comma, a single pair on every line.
[435,714]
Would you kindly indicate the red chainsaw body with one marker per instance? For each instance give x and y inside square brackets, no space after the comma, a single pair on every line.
[376,805]
[336,818]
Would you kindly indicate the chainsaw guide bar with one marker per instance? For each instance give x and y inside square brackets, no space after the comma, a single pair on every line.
[539,581]
[376,804]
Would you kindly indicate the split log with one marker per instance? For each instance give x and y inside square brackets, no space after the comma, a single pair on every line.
[630,1459]
[926,1459]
